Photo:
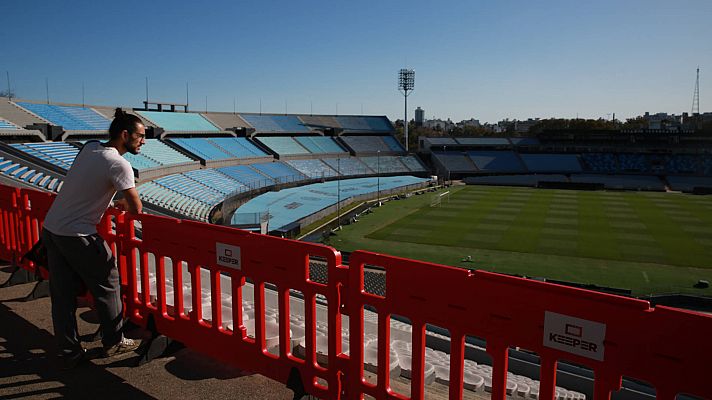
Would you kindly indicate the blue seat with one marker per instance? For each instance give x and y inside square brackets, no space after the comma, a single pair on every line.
[238,147]
[61,154]
[319,144]
[4,124]
[202,148]
[496,161]
[551,162]
[275,123]
[283,145]
[69,117]
[247,176]
[178,121]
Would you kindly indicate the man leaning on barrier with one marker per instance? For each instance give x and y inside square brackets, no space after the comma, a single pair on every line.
[75,250]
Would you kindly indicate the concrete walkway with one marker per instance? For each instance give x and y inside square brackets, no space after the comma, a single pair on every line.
[28,368]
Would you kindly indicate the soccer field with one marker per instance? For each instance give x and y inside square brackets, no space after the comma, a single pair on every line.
[648,242]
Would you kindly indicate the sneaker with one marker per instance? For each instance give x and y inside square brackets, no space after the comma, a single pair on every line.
[123,346]
[72,359]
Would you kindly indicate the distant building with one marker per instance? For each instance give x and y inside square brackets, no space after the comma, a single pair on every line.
[663,121]
[419,116]
[524,126]
[470,122]
[439,125]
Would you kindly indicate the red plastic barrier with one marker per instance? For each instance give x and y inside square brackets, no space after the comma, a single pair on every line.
[9,218]
[264,259]
[669,348]
[612,335]
[33,208]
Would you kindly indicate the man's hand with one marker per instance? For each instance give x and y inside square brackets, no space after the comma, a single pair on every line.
[121,204]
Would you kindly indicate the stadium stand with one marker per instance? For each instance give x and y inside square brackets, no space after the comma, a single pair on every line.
[441,141]
[29,176]
[313,168]
[109,112]
[551,162]
[385,164]
[525,141]
[600,162]
[202,148]
[16,114]
[283,145]
[320,144]
[60,154]
[247,176]
[238,147]
[275,123]
[215,180]
[179,122]
[348,166]
[633,163]
[320,122]
[293,204]
[680,164]
[689,183]
[368,144]
[226,121]
[496,161]
[172,200]
[364,124]
[4,124]
[191,188]
[455,161]
[706,165]
[622,182]
[69,117]
[279,171]
[530,180]
[413,163]
[483,141]
[162,154]
[393,144]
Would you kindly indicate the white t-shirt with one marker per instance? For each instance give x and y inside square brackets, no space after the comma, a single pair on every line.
[96,175]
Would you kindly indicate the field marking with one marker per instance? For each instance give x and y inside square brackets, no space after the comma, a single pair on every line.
[698,229]
[645,276]
[561,221]
[566,213]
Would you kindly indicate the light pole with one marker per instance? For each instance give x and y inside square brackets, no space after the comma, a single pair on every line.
[406,84]
[338,192]
[378,177]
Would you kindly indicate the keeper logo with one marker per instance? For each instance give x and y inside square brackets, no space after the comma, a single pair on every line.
[574,335]
[228,255]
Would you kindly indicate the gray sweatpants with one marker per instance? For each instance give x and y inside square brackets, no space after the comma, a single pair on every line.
[88,259]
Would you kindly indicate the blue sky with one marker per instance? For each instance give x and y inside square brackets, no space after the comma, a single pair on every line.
[488,60]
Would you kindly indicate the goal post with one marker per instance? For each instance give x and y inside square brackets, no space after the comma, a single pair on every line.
[437,199]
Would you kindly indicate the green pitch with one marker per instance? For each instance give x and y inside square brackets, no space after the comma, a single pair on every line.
[649,242]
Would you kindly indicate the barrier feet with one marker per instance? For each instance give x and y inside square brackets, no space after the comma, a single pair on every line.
[19,276]
[40,290]
[295,384]
[157,346]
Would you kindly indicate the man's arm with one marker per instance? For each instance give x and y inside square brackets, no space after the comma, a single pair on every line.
[131,202]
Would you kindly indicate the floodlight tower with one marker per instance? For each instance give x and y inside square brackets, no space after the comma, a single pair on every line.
[406,84]
[696,95]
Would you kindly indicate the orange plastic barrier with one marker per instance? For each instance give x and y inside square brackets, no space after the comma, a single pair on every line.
[614,336]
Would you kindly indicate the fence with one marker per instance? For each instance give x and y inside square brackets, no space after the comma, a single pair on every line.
[177,276]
